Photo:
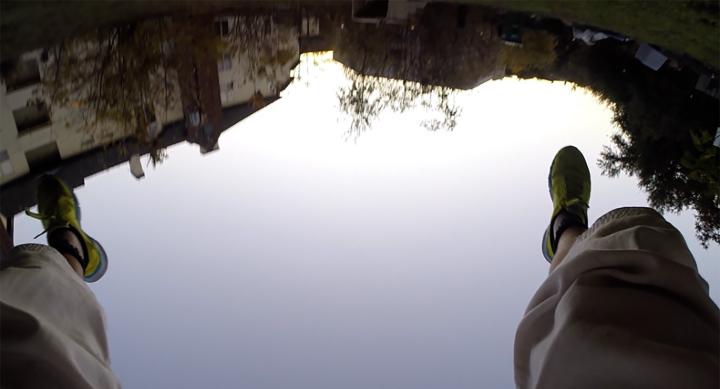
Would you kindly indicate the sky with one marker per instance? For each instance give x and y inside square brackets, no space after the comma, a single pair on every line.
[295,257]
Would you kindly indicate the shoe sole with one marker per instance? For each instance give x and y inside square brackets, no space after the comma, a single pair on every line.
[102,266]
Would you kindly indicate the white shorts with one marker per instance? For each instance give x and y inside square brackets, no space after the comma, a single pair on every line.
[626,308]
[52,329]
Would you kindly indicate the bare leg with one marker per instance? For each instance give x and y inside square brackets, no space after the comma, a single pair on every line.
[71,238]
[567,240]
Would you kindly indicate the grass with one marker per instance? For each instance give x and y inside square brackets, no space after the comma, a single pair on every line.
[683,27]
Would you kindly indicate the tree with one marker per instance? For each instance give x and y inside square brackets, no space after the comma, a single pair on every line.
[675,176]
[399,67]
[666,128]
[117,79]
[265,43]
[666,136]
[364,97]
[113,77]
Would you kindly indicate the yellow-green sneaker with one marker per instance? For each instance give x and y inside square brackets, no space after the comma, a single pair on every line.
[59,208]
[569,184]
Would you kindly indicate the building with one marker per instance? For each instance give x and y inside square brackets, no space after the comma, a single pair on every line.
[35,136]
[20,193]
[211,96]
[447,45]
[385,11]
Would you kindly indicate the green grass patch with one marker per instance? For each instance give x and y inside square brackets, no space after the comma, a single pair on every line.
[684,27]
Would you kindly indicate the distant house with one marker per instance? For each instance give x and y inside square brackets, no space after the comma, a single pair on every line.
[413,54]
[20,193]
[650,56]
[35,136]
[391,12]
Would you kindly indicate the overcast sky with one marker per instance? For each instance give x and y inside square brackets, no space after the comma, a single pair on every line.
[294,258]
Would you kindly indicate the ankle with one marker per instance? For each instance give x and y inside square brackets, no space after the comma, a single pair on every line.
[68,243]
[566,219]
[565,243]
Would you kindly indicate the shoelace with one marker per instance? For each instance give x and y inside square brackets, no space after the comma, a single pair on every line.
[573,202]
[40,216]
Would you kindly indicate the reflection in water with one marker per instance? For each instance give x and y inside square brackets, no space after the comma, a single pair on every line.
[95,100]
[311,267]
[365,97]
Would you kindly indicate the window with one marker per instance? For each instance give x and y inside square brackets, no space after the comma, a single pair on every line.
[229,86]
[33,116]
[154,129]
[6,167]
[310,26]
[44,157]
[222,27]
[167,47]
[193,118]
[225,63]
[21,74]
[149,113]
[88,143]
[225,91]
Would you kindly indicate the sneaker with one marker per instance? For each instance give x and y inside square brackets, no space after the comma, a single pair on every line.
[569,184]
[59,208]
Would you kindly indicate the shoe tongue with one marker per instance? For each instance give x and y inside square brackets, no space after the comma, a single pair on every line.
[577,208]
